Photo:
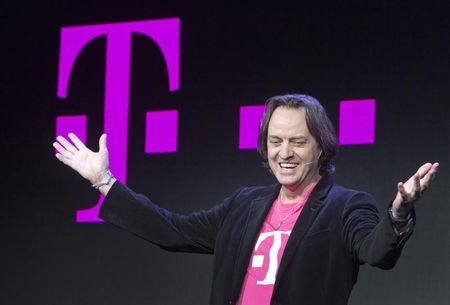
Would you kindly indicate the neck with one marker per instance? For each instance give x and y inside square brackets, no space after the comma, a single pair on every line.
[292,194]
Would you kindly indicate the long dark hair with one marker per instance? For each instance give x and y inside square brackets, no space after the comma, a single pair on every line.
[318,123]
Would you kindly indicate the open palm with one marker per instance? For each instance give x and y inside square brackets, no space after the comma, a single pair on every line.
[410,191]
[91,165]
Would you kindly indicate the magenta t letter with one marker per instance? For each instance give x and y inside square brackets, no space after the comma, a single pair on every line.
[165,33]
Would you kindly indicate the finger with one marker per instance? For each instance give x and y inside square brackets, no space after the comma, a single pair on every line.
[62,159]
[434,169]
[62,151]
[102,143]
[416,189]
[59,157]
[80,145]
[429,177]
[402,191]
[424,169]
[67,145]
[407,197]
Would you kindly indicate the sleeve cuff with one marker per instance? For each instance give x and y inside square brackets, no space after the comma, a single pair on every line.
[402,229]
[401,226]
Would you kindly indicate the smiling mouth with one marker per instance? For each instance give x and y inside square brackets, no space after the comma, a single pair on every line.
[288,165]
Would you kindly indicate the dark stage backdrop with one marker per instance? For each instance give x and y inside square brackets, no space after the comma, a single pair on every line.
[394,52]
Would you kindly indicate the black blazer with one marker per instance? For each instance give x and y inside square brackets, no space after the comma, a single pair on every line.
[337,231]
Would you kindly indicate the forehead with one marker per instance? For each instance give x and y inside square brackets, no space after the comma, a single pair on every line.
[288,122]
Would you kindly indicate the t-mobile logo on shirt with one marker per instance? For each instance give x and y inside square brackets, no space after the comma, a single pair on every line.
[274,254]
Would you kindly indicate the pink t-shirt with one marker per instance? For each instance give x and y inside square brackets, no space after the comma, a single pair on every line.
[269,248]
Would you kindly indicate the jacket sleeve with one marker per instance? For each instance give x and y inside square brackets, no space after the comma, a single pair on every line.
[370,239]
[137,214]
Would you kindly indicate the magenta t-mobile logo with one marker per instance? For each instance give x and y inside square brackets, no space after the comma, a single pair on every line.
[356,123]
[161,129]
[356,119]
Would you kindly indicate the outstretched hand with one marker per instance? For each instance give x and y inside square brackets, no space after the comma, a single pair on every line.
[91,165]
[410,191]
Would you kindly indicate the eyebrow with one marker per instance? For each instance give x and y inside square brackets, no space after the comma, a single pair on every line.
[290,139]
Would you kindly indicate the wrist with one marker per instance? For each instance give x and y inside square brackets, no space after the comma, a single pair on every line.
[106,179]
[399,217]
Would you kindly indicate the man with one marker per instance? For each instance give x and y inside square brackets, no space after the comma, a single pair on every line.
[300,241]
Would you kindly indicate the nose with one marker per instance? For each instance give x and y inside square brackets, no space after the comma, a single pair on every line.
[285,152]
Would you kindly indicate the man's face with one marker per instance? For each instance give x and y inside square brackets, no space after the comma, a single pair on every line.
[290,148]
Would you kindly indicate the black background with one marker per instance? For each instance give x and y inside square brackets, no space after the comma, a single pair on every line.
[231,55]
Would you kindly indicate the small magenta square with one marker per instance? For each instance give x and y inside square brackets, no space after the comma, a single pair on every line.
[249,122]
[161,131]
[76,124]
[357,122]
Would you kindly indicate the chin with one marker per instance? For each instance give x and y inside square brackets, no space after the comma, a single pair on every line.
[288,181]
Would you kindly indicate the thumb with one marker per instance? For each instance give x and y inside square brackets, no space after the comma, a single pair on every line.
[102,144]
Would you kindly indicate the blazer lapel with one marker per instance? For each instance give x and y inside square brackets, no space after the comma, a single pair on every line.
[257,213]
[304,221]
